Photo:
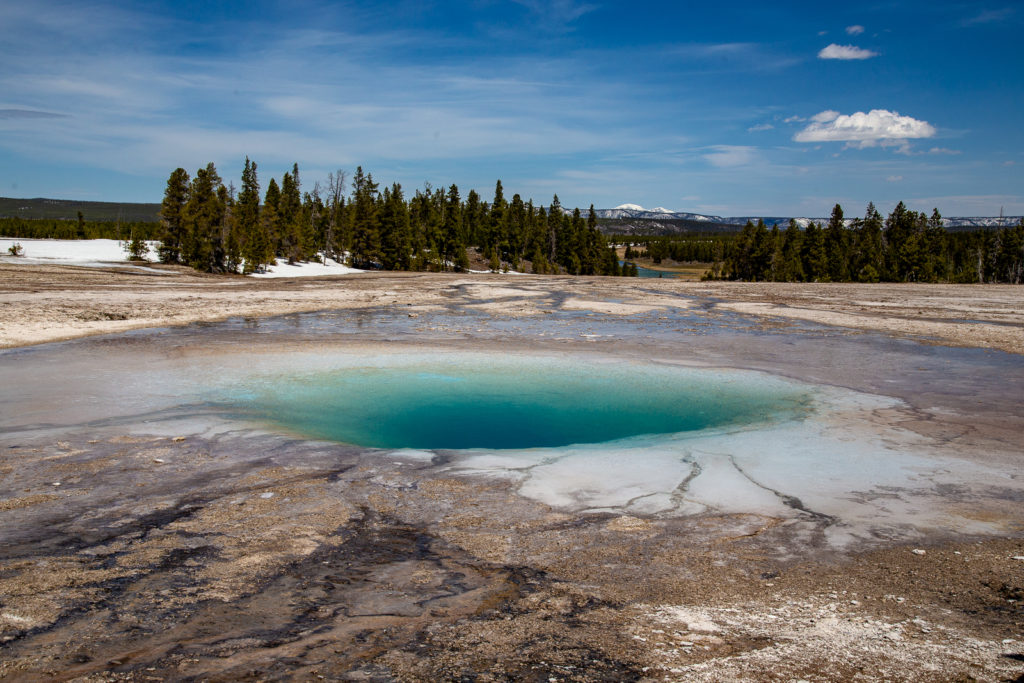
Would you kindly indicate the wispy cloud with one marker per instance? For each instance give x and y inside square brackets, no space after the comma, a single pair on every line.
[730,156]
[989,17]
[734,56]
[556,14]
[29,114]
[845,52]
[854,30]
[760,127]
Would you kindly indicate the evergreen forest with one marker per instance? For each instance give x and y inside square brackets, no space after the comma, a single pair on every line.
[79,229]
[208,226]
[906,246]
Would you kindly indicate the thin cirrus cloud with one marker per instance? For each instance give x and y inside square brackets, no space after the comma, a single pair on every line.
[730,156]
[854,30]
[878,127]
[845,52]
[29,114]
[989,17]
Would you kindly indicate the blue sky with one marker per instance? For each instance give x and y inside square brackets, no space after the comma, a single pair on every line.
[740,108]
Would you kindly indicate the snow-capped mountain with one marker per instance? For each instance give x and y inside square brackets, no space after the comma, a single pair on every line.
[660,213]
[657,213]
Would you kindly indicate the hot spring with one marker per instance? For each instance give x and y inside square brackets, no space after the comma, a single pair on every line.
[578,431]
[478,401]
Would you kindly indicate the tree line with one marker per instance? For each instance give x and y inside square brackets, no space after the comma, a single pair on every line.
[208,226]
[693,247]
[907,246]
[80,229]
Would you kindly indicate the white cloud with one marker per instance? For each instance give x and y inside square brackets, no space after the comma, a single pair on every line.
[894,179]
[793,119]
[855,30]
[759,127]
[943,150]
[845,52]
[729,156]
[877,127]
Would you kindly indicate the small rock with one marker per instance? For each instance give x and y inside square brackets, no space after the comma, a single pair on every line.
[414,315]
[1007,641]
[178,439]
[918,551]
[56,483]
[159,461]
[854,602]
[268,494]
[1017,557]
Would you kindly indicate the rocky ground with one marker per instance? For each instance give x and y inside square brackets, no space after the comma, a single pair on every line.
[248,556]
[41,303]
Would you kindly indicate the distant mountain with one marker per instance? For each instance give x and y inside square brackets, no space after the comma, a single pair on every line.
[68,209]
[633,219]
[659,213]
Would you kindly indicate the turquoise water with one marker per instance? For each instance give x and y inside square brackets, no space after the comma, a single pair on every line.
[508,402]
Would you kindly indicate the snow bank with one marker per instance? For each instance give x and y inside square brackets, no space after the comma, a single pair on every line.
[73,252]
[311,269]
[105,252]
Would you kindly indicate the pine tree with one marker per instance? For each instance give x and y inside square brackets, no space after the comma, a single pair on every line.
[202,247]
[232,256]
[365,227]
[935,242]
[792,268]
[394,230]
[335,241]
[172,216]
[812,255]
[496,220]
[290,214]
[836,248]
[136,247]
[251,229]
[272,221]
[554,229]
[870,261]
[451,242]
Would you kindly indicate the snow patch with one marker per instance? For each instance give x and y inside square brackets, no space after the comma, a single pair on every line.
[306,269]
[74,252]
